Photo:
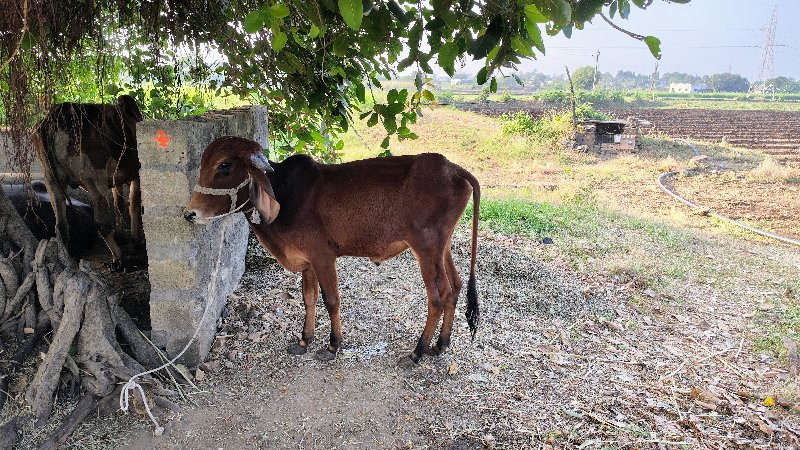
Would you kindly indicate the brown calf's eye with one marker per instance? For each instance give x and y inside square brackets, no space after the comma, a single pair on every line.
[224,169]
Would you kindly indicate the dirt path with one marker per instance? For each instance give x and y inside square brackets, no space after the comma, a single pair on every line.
[559,361]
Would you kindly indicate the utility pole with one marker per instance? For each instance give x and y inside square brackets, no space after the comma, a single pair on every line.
[653,81]
[596,63]
[766,69]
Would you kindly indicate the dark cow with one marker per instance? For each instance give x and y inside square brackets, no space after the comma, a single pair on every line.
[94,147]
[34,206]
[307,214]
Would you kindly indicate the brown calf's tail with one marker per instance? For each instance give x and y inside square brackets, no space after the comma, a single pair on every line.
[473,312]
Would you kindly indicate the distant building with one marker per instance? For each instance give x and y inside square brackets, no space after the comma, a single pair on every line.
[688,87]
[454,81]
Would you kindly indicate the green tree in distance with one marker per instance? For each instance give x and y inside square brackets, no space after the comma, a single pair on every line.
[583,77]
[728,82]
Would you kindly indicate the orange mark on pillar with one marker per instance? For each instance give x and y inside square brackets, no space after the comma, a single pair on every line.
[162,138]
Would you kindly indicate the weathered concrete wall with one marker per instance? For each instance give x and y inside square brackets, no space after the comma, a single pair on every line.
[6,148]
[190,265]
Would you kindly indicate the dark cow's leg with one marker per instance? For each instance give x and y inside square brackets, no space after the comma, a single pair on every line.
[310,296]
[449,304]
[135,209]
[329,283]
[104,218]
[59,204]
[119,204]
[437,287]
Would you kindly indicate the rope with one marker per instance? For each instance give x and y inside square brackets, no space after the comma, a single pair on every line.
[688,203]
[124,395]
[132,384]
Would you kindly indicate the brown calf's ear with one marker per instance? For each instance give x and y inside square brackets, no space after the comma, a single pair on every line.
[262,197]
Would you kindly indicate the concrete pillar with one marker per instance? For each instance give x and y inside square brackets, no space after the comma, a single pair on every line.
[190,266]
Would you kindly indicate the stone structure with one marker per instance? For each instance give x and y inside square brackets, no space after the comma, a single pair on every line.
[190,266]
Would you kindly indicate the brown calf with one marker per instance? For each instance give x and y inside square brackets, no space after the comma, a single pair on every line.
[307,214]
[94,147]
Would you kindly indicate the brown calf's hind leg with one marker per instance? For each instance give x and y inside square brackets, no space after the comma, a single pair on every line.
[329,284]
[449,303]
[437,287]
[310,296]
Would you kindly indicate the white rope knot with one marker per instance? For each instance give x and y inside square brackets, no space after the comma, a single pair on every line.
[124,401]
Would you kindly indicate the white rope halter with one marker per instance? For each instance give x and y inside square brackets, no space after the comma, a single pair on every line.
[255,217]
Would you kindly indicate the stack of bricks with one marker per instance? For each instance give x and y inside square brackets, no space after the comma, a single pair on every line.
[190,265]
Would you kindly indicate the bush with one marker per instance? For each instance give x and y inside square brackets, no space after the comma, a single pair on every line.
[506,97]
[445,97]
[484,95]
[548,131]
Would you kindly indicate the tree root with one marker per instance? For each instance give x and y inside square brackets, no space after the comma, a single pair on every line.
[42,288]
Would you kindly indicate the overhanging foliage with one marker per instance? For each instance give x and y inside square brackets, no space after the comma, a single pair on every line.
[315,62]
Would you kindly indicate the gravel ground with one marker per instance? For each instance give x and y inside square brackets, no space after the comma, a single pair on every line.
[559,361]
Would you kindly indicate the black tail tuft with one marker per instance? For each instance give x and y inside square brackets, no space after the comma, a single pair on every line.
[473,314]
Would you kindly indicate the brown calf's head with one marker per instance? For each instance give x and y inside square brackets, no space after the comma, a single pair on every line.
[232,179]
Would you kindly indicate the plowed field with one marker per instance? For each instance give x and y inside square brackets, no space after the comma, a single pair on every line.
[775,132]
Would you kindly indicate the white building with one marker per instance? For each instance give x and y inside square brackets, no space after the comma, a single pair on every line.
[688,87]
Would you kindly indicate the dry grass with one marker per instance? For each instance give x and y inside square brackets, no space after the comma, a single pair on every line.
[771,170]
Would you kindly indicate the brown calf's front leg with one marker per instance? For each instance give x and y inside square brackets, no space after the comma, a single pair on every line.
[310,296]
[329,284]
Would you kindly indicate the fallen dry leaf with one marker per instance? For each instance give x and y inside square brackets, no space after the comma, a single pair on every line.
[452,369]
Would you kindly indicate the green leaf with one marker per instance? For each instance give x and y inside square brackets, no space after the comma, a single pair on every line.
[520,46]
[373,119]
[278,41]
[360,92]
[535,34]
[482,74]
[447,57]
[493,85]
[314,31]
[654,44]
[385,143]
[533,14]
[253,21]
[279,11]
[428,95]
[390,124]
[352,12]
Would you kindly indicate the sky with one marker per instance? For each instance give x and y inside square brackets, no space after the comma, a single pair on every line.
[702,37]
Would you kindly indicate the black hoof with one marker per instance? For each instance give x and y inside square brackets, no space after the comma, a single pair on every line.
[435,350]
[324,354]
[408,363]
[297,349]
[117,266]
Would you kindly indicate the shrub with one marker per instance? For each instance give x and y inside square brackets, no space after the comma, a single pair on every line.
[484,95]
[445,97]
[506,97]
